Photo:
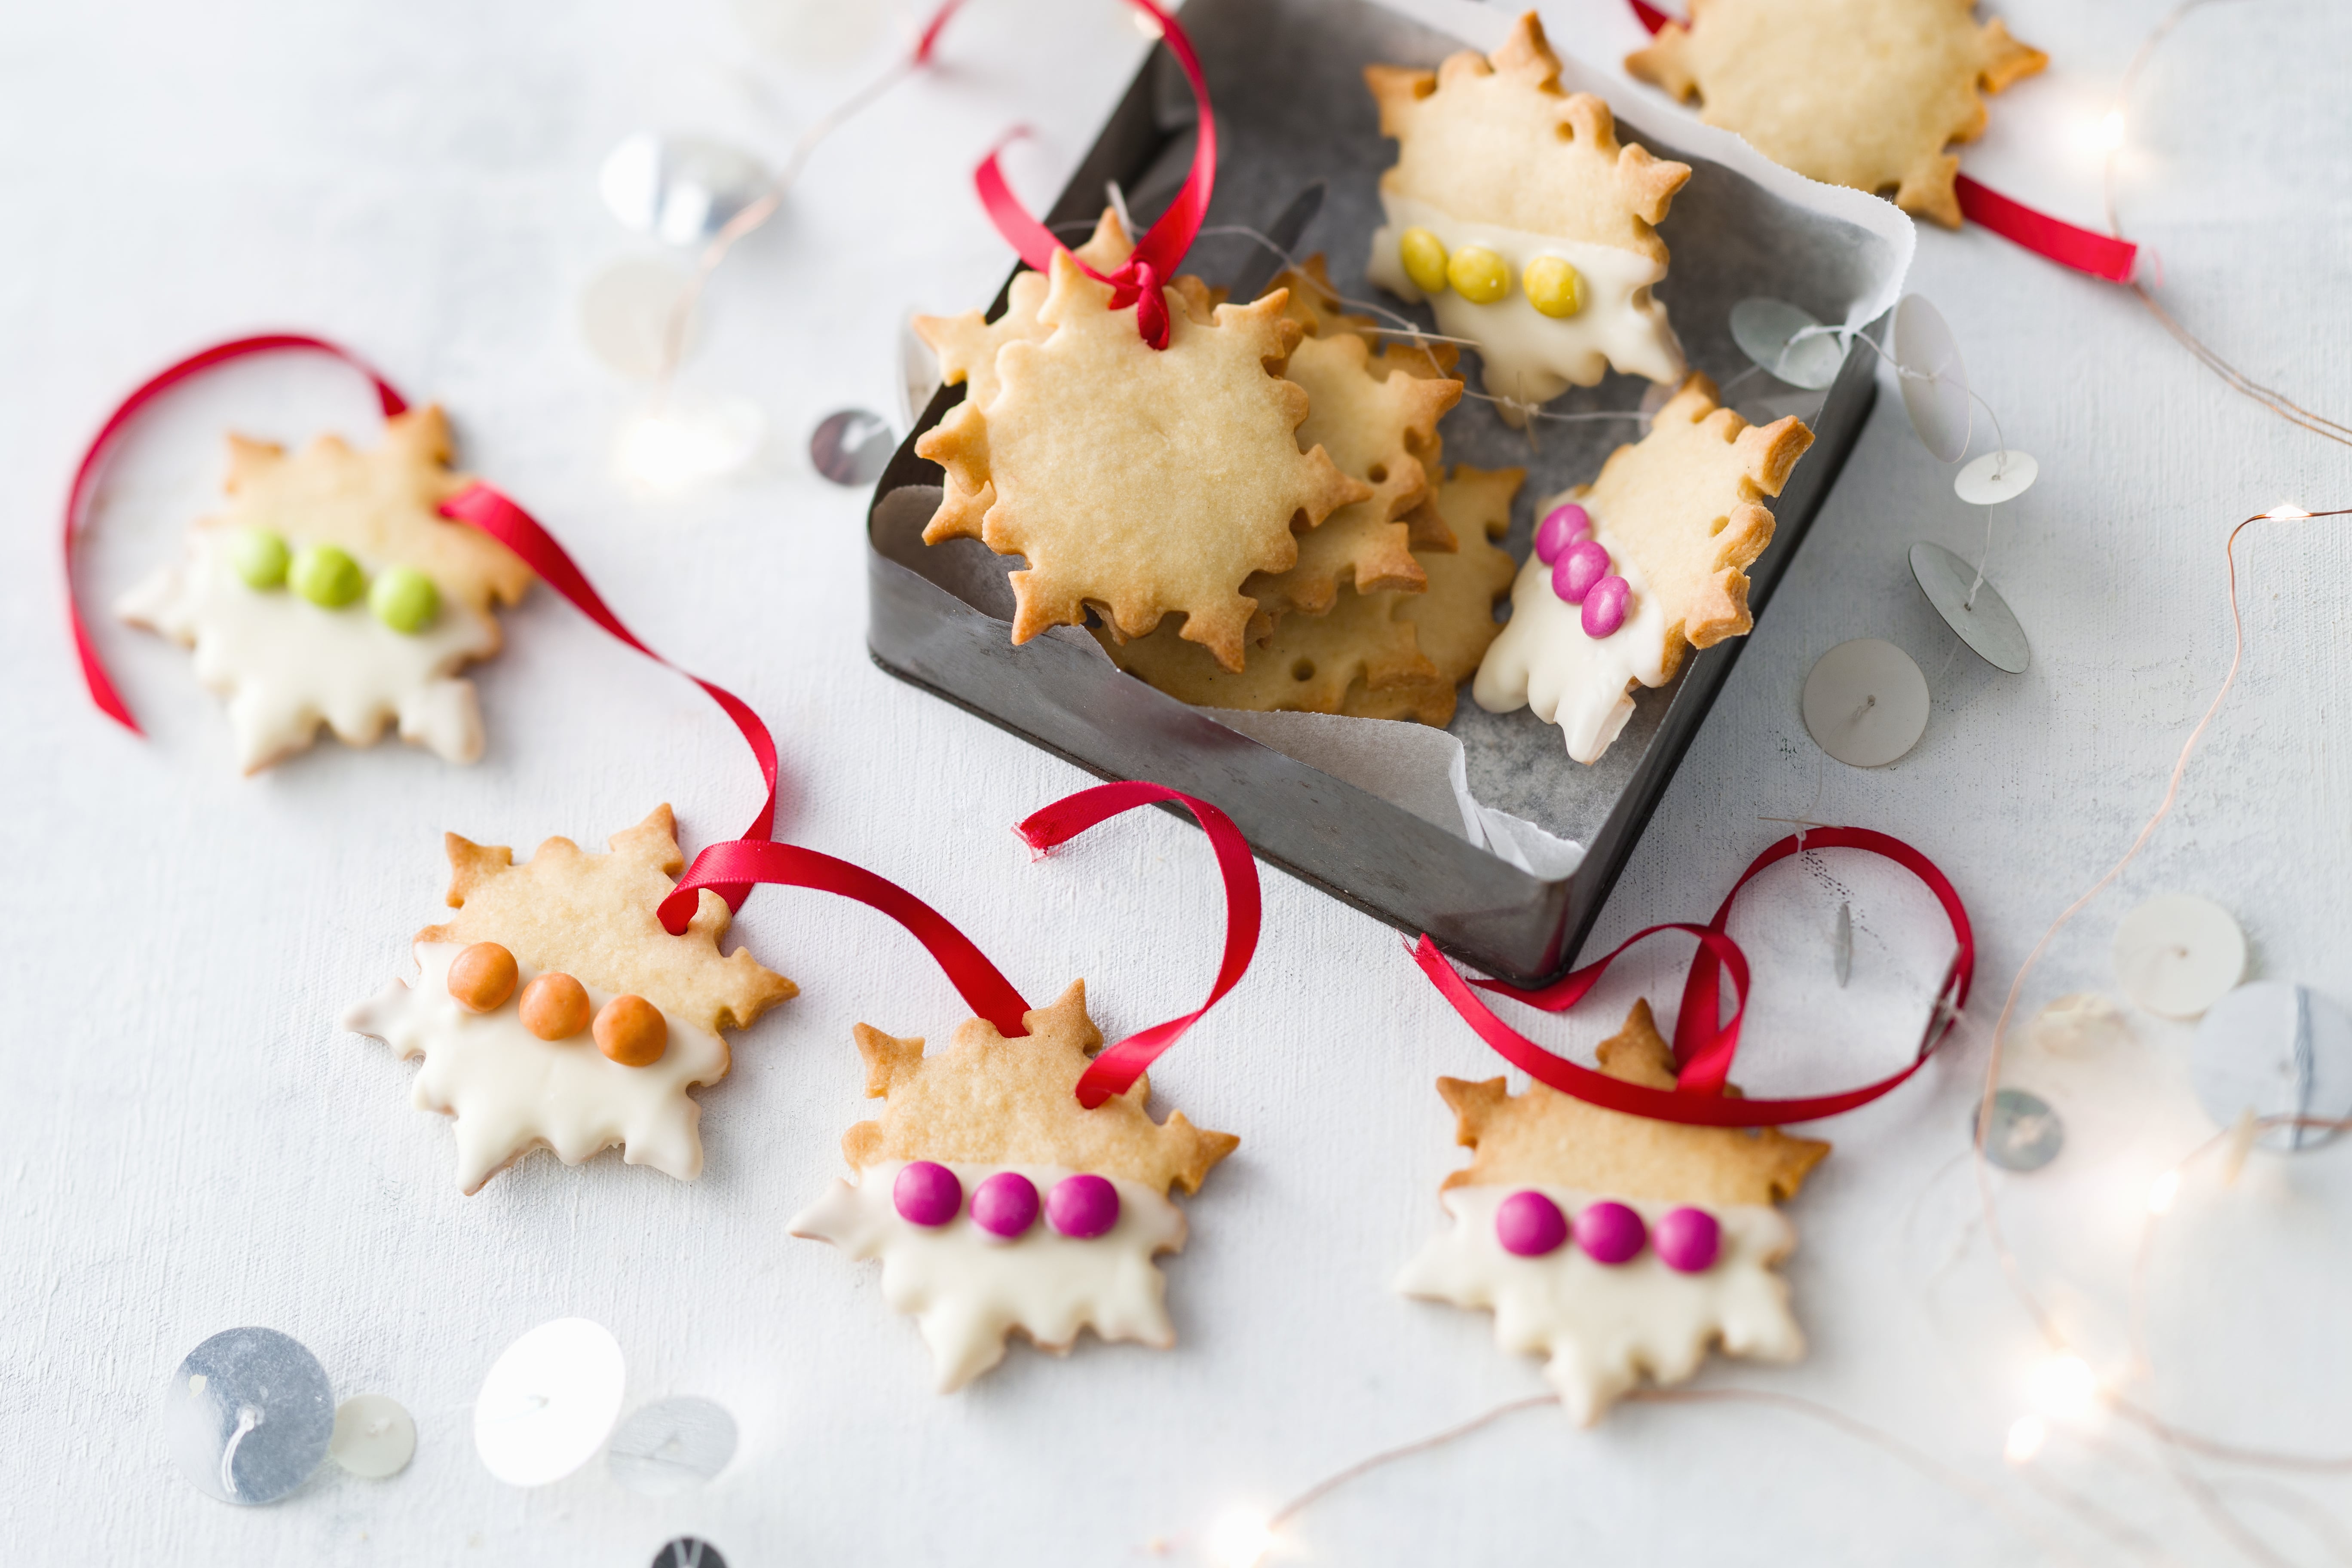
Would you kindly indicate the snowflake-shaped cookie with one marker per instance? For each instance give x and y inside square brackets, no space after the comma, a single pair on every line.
[330,591]
[1144,481]
[1615,1245]
[1513,209]
[1454,618]
[996,1201]
[555,1011]
[1864,93]
[1679,514]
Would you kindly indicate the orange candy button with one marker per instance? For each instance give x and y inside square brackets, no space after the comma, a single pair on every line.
[482,977]
[632,1031]
[554,1006]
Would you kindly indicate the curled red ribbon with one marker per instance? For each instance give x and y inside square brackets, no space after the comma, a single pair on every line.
[2102,256]
[477,506]
[983,986]
[1162,247]
[1703,1047]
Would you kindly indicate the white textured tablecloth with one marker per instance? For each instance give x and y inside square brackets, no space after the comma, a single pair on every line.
[194,1144]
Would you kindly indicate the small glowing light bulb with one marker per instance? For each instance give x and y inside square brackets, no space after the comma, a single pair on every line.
[1240,1540]
[2026,1435]
[2064,1385]
[2286,509]
[670,448]
[2162,1191]
[2111,130]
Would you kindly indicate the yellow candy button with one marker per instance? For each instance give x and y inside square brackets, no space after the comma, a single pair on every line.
[1478,275]
[1423,255]
[1553,286]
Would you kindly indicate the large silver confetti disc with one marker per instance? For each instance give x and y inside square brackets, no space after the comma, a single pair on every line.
[1774,333]
[1935,383]
[248,1415]
[852,447]
[1975,611]
[375,1437]
[1865,702]
[682,190]
[672,1446]
[2275,1049]
[2023,1134]
[1995,478]
[2177,954]
[548,1402]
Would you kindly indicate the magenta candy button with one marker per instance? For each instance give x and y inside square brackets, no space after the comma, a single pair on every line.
[1574,574]
[1082,1206]
[1605,606]
[927,1193]
[1561,527]
[1529,1224]
[1688,1240]
[1006,1205]
[1609,1232]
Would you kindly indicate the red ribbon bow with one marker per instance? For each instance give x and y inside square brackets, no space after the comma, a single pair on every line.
[1703,1047]
[1162,247]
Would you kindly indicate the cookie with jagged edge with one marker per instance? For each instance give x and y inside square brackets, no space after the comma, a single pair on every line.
[1605,1326]
[1305,664]
[1681,514]
[1499,172]
[592,917]
[286,666]
[1142,482]
[989,1105]
[1453,618]
[1891,83]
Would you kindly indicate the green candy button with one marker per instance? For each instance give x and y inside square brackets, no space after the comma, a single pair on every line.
[404,599]
[259,557]
[326,576]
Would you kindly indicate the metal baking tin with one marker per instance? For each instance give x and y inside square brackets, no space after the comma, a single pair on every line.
[1291,110]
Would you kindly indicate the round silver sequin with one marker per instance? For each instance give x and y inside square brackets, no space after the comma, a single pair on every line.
[2277,1050]
[852,447]
[672,1446]
[248,1415]
[1972,607]
[2023,1132]
[689,1552]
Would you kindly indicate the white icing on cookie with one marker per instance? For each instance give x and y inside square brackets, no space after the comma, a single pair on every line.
[288,666]
[1602,1325]
[968,1289]
[1544,659]
[1529,355]
[512,1091]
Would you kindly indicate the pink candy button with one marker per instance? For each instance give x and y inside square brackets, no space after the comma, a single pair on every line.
[1005,1206]
[1609,1232]
[927,1193]
[1689,1240]
[1605,606]
[1082,1206]
[1529,1224]
[1561,527]
[1574,574]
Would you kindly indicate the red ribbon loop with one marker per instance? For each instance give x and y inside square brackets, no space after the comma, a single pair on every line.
[978,980]
[1161,250]
[2102,256]
[1705,1048]
[93,669]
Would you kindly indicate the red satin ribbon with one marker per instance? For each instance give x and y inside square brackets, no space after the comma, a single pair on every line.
[980,982]
[1704,1047]
[93,669]
[2102,256]
[478,505]
[1162,247]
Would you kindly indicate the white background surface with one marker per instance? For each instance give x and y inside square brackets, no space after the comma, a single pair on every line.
[192,1144]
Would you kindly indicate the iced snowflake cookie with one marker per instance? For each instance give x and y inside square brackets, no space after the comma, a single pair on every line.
[1649,558]
[1142,482]
[330,591]
[1612,1244]
[1514,211]
[996,1201]
[1887,84]
[554,1011]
